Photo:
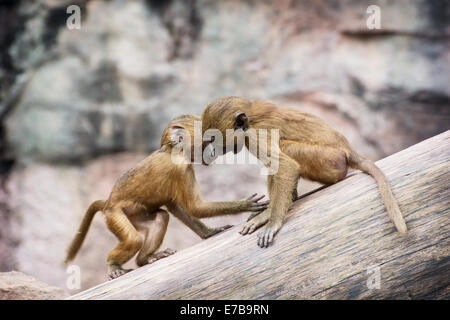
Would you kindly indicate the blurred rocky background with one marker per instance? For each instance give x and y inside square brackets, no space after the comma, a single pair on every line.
[79,107]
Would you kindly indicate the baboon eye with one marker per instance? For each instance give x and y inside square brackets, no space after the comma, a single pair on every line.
[213,138]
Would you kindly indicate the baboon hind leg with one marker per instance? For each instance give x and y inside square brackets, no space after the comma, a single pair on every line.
[155,229]
[323,164]
[130,241]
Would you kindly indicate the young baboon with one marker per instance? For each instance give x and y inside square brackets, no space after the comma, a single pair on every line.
[308,148]
[136,202]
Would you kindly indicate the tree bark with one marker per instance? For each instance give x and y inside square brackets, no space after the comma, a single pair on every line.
[336,244]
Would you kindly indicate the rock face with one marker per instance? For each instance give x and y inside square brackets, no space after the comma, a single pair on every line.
[113,85]
[19,286]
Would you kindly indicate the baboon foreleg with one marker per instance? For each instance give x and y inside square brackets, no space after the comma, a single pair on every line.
[258,219]
[281,191]
[201,229]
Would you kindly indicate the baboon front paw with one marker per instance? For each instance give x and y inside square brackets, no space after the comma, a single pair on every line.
[266,235]
[254,205]
[225,227]
[160,255]
[220,229]
[254,223]
[254,214]
[215,231]
[117,273]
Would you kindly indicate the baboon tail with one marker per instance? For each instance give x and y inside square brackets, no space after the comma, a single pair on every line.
[76,243]
[367,166]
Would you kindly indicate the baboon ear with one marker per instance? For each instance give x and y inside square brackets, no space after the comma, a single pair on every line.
[240,121]
[176,134]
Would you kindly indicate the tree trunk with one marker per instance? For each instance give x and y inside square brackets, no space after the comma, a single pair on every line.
[337,243]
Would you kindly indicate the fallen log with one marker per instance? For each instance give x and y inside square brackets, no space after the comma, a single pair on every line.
[337,243]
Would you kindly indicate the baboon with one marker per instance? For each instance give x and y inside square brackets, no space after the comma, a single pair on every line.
[308,148]
[142,197]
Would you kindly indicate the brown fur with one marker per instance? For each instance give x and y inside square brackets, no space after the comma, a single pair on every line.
[136,200]
[309,148]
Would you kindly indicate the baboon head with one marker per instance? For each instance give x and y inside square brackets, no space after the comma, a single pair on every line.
[222,115]
[181,131]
